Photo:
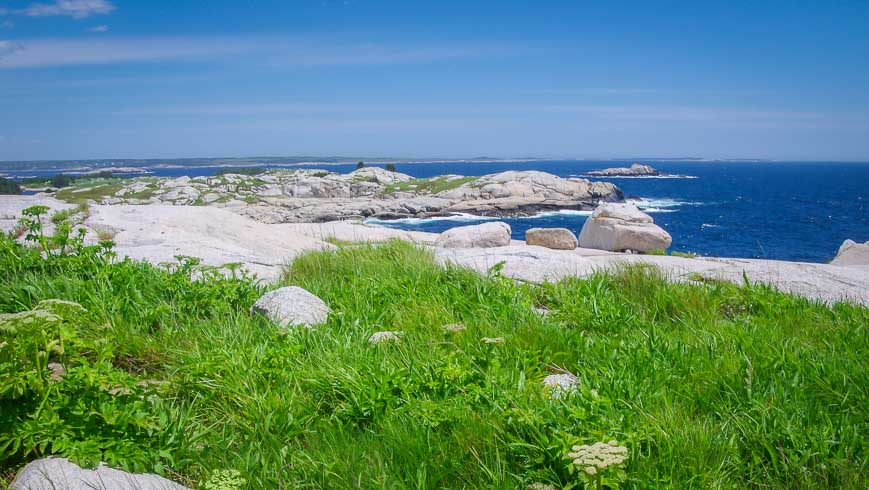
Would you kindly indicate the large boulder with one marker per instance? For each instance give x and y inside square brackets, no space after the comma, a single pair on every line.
[557,238]
[292,306]
[486,235]
[621,226]
[852,253]
[61,474]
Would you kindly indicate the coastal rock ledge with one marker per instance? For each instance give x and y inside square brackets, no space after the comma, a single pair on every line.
[316,196]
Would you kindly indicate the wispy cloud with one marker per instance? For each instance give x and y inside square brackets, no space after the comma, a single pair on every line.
[67,52]
[267,51]
[8,48]
[7,24]
[102,28]
[608,116]
[77,9]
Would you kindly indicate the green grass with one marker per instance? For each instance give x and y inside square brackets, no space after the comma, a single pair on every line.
[431,185]
[709,386]
[97,190]
[674,253]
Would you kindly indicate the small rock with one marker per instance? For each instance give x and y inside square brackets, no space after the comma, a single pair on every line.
[60,474]
[290,306]
[560,385]
[555,238]
[454,327]
[378,337]
[486,235]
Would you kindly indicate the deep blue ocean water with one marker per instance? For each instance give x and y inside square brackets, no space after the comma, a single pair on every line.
[799,211]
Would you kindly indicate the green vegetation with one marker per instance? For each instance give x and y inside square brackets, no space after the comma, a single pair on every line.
[359,165]
[9,186]
[390,167]
[60,181]
[95,189]
[432,185]
[242,171]
[707,386]
[674,253]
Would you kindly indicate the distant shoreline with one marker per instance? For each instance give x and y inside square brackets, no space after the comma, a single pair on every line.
[97,165]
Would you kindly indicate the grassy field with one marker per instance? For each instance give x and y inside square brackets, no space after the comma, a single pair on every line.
[707,386]
[432,185]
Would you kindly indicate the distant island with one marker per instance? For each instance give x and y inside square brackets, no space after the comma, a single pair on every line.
[635,170]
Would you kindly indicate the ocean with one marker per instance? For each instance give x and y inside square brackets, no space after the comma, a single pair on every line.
[798,211]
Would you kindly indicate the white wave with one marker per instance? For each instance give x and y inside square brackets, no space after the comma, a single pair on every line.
[661,203]
[560,212]
[659,210]
[458,217]
[707,225]
[668,176]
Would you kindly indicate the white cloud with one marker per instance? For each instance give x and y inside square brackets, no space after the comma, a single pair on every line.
[278,53]
[69,52]
[102,28]
[8,48]
[77,9]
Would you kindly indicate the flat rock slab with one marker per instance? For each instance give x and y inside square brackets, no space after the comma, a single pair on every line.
[292,306]
[823,282]
[61,474]
[158,233]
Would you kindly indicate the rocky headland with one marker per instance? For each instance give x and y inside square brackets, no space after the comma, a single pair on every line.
[314,196]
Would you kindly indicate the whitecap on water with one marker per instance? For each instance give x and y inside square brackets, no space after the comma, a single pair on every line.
[458,217]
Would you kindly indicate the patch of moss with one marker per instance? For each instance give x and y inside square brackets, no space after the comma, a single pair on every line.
[432,185]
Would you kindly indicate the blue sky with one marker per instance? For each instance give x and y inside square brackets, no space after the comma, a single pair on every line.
[183,78]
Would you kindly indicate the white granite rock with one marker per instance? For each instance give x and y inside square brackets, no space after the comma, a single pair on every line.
[292,306]
[555,238]
[61,474]
[621,226]
[492,234]
[852,253]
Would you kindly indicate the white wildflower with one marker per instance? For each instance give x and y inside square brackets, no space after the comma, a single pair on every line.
[540,486]
[454,327]
[57,372]
[378,337]
[493,340]
[598,456]
[560,385]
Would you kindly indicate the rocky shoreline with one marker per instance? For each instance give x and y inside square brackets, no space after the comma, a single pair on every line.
[158,233]
[316,196]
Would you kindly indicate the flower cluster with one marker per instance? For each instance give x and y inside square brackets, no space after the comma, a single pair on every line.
[454,327]
[492,340]
[598,456]
[378,337]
